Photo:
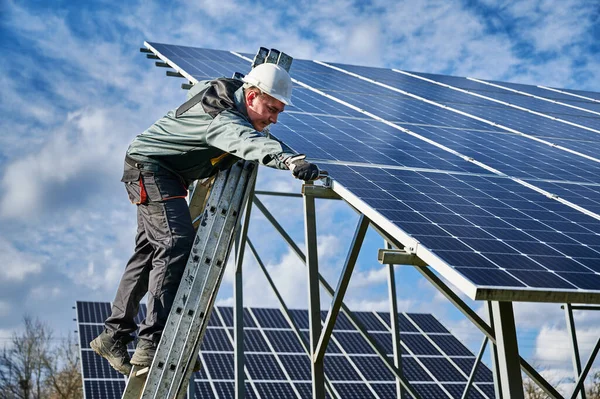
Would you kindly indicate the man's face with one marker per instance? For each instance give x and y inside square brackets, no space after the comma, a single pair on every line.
[262,109]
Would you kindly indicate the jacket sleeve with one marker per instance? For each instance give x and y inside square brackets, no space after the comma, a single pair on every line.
[232,133]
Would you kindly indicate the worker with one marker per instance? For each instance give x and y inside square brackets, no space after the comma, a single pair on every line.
[222,122]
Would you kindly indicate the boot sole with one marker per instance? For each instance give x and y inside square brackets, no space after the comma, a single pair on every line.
[101,351]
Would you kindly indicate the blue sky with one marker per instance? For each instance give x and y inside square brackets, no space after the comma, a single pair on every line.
[76,90]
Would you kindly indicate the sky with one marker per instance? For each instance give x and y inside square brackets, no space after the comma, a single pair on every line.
[76,91]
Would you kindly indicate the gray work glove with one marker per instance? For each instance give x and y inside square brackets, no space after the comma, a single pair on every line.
[302,169]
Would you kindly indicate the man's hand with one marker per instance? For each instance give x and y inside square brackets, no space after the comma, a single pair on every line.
[301,169]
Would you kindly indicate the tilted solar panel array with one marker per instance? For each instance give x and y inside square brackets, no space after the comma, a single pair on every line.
[495,185]
[433,360]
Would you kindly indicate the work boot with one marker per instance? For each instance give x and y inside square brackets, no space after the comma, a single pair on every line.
[144,354]
[113,349]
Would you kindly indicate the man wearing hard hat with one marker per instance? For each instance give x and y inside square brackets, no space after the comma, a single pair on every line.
[221,122]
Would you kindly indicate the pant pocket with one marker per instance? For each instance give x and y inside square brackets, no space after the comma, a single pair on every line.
[131,178]
[162,187]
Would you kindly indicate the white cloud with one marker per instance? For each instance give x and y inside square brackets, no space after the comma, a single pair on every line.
[17,264]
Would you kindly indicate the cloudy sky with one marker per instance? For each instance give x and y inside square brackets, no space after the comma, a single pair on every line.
[76,90]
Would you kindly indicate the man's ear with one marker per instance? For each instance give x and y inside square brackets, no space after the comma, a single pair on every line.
[250,97]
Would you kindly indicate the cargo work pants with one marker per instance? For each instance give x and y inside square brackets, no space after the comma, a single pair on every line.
[162,245]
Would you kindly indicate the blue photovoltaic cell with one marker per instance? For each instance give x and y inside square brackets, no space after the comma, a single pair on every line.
[363,141]
[275,390]
[270,318]
[372,322]
[587,94]
[227,390]
[219,365]
[419,345]
[216,339]
[96,367]
[405,325]
[584,195]
[428,323]
[204,390]
[471,225]
[353,391]
[297,366]
[338,368]
[483,374]
[254,341]
[515,155]
[284,341]
[450,345]
[442,369]
[227,314]
[300,318]
[92,312]
[104,389]
[341,323]
[353,343]
[263,367]
[456,390]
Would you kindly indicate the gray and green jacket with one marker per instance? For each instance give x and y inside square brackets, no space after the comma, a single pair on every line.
[208,133]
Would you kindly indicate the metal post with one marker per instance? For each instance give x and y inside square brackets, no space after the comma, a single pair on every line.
[314,308]
[508,350]
[238,309]
[571,330]
[494,356]
[394,323]
[474,369]
[357,241]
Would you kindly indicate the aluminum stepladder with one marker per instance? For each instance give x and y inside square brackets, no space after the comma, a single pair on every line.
[169,374]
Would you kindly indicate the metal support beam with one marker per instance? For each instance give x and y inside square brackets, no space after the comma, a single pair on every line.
[238,309]
[571,330]
[287,314]
[474,369]
[394,324]
[314,306]
[359,236]
[398,257]
[579,384]
[508,350]
[494,356]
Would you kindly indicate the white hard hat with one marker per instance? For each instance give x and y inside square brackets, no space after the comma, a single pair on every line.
[272,80]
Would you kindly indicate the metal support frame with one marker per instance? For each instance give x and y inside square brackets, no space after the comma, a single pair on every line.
[314,306]
[494,356]
[394,324]
[238,309]
[571,330]
[508,350]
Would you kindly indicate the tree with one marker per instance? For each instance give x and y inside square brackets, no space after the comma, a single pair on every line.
[31,368]
[593,391]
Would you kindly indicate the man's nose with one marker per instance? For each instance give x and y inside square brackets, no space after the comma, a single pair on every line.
[273,118]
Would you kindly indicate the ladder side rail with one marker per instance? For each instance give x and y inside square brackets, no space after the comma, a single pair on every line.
[217,250]
[222,252]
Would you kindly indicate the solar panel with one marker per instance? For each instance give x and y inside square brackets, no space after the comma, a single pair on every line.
[409,123]
[281,373]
